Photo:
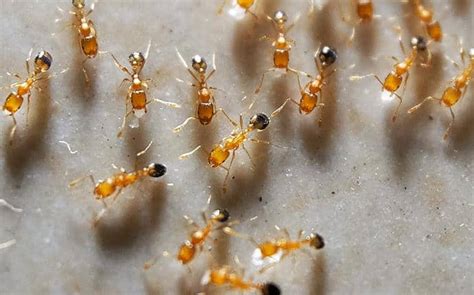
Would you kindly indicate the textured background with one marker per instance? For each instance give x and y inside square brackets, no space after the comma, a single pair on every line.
[393,201]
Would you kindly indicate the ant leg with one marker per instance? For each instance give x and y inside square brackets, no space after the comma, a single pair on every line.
[446,133]
[80,179]
[181,126]
[416,107]
[321,105]
[167,103]
[12,131]
[213,67]
[234,124]
[188,154]
[123,81]
[266,142]
[280,108]
[395,114]
[147,52]
[124,121]
[28,101]
[405,83]
[231,232]
[224,185]
[84,71]
[250,157]
[185,82]
[262,78]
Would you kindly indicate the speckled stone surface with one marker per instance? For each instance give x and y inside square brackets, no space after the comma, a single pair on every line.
[392,200]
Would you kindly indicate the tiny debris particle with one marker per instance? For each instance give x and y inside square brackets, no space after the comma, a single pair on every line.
[430,117]
[405,188]
[260,199]
[333,193]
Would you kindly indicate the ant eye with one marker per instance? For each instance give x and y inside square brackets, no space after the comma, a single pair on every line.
[79,3]
[326,55]
[271,289]
[156,170]
[280,17]
[199,64]
[316,241]
[260,121]
[418,42]
[221,215]
[43,61]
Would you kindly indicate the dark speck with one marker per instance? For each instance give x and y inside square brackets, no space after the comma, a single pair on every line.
[260,199]
[333,193]
[430,117]
[405,188]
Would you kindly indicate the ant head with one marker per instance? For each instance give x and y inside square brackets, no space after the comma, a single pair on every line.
[471,53]
[280,17]
[316,241]
[43,61]
[220,215]
[418,43]
[156,170]
[271,289]
[199,64]
[260,121]
[79,3]
[326,56]
[136,60]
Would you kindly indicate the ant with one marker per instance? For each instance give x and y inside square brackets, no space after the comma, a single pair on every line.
[433,27]
[86,31]
[272,251]
[113,186]
[452,94]
[323,58]
[282,45]
[239,9]
[205,98]
[137,90]
[230,144]
[365,14]
[394,79]
[14,101]
[225,276]
[199,235]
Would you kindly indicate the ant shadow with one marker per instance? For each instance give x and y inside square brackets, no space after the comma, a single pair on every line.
[24,152]
[319,282]
[461,138]
[321,149]
[461,7]
[244,186]
[137,219]
[365,38]
[404,131]
[277,95]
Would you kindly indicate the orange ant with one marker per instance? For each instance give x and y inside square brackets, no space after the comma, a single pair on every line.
[225,276]
[282,45]
[113,186]
[323,58]
[14,100]
[239,8]
[270,252]
[452,94]
[394,79]
[137,90]
[433,27]
[230,144]
[365,14]
[86,31]
[198,236]
[205,98]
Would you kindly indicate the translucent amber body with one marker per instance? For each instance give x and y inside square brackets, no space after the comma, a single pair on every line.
[365,10]
[205,112]
[392,82]
[186,253]
[218,277]
[12,103]
[268,249]
[90,47]
[105,188]
[138,99]
[204,95]
[218,156]
[281,58]
[435,31]
[308,102]
[245,4]
[451,96]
